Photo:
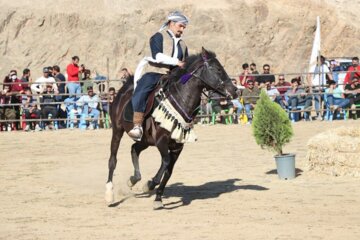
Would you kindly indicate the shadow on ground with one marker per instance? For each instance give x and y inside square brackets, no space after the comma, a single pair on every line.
[298,172]
[190,193]
[205,191]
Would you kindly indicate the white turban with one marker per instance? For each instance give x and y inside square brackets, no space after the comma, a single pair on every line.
[175,16]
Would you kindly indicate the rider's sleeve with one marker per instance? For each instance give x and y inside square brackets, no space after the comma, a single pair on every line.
[156,46]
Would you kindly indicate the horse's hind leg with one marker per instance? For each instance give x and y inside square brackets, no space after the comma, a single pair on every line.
[136,149]
[115,142]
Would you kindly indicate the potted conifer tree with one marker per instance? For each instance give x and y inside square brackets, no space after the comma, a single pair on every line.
[272,129]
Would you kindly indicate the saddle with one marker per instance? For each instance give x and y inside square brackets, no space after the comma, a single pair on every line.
[150,105]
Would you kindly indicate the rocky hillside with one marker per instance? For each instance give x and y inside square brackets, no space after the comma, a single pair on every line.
[38,33]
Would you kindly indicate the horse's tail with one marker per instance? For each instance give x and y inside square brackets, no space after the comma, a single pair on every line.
[127,86]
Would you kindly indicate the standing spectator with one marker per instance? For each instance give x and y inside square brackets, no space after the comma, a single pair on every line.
[353,71]
[40,84]
[17,86]
[51,71]
[266,76]
[73,70]
[253,69]
[91,101]
[60,80]
[87,81]
[26,77]
[298,97]
[321,74]
[48,108]
[7,112]
[29,106]
[250,96]
[352,92]
[245,76]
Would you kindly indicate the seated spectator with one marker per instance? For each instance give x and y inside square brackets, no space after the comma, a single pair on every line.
[30,109]
[90,103]
[352,92]
[282,85]
[334,97]
[40,84]
[205,109]
[7,112]
[237,105]
[353,71]
[245,76]
[298,97]
[274,94]
[265,76]
[104,99]
[220,105]
[250,96]
[49,109]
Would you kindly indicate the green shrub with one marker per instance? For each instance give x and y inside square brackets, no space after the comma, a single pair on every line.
[271,125]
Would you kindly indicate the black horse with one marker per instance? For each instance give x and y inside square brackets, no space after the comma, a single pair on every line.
[185,86]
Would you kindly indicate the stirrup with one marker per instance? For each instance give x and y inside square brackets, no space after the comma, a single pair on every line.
[136,133]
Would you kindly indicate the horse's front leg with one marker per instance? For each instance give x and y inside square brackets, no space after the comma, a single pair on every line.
[115,142]
[136,149]
[173,156]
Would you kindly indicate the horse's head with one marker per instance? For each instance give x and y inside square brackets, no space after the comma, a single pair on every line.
[214,76]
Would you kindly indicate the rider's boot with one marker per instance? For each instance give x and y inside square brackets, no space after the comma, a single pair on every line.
[137,132]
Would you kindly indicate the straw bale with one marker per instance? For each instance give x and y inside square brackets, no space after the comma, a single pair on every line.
[335,152]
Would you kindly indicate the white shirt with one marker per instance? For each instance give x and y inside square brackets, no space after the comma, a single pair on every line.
[319,77]
[272,93]
[91,101]
[40,85]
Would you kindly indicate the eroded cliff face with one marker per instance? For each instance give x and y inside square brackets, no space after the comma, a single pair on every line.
[39,33]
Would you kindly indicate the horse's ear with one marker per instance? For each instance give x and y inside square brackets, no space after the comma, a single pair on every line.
[204,54]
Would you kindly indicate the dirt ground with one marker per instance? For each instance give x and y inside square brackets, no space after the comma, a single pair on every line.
[224,186]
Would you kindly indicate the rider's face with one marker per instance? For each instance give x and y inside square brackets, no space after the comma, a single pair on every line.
[177,28]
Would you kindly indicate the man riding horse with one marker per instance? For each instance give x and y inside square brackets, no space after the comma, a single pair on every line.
[168,51]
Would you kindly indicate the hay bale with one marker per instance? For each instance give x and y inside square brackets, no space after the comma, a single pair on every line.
[335,152]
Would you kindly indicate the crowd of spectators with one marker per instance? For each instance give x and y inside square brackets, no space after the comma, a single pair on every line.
[80,98]
[46,103]
[319,89]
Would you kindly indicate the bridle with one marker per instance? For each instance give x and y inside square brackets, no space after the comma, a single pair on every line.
[197,72]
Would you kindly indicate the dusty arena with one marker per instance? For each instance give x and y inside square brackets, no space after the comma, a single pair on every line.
[223,187]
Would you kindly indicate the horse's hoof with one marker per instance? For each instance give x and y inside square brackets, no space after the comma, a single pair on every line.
[146,187]
[109,193]
[132,181]
[158,205]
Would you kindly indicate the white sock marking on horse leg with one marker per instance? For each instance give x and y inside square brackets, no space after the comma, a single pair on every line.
[109,193]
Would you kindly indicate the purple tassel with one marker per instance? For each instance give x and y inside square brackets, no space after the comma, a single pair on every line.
[184,78]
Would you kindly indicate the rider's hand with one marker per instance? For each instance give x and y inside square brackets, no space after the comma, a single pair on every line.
[181,64]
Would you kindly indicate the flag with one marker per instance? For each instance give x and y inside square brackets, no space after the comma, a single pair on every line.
[316,46]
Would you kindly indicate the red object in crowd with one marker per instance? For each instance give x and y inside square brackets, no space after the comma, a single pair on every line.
[72,72]
[348,74]
[283,88]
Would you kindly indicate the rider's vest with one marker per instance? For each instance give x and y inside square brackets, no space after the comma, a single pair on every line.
[168,49]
